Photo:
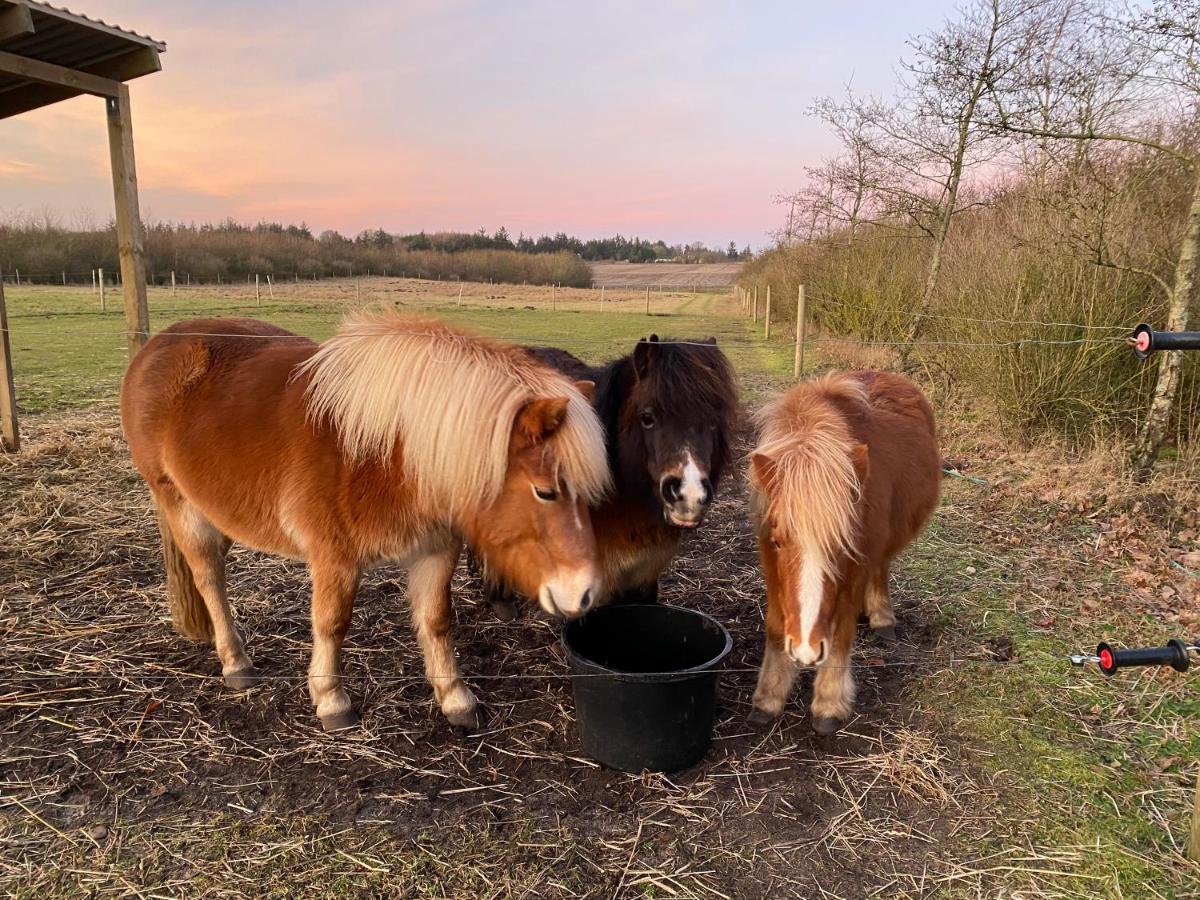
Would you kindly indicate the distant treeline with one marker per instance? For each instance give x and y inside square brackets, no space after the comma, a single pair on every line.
[43,250]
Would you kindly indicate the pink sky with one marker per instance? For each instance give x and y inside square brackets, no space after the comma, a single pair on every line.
[672,120]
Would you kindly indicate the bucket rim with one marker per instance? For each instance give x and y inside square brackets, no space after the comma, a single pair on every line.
[710,666]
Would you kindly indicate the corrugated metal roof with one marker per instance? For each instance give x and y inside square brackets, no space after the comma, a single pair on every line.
[74,41]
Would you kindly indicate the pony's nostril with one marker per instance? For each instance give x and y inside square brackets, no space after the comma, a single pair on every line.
[820,654]
[586,600]
[670,489]
[708,491]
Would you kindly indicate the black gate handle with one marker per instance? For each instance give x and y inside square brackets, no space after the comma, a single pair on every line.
[1146,340]
[1175,655]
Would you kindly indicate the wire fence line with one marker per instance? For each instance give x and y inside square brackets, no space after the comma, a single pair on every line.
[1039,660]
[744,342]
[828,299]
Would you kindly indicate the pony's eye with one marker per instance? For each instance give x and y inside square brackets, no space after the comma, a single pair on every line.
[546,495]
[647,418]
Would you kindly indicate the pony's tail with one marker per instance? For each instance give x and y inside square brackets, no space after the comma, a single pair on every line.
[189,614]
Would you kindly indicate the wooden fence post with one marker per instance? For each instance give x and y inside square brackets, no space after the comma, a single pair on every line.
[754,313]
[10,433]
[270,287]
[103,301]
[257,291]
[801,331]
[1194,842]
[357,291]
[93,281]
[647,301]
[172,282]
[130,237]
[601,298]
[767,325]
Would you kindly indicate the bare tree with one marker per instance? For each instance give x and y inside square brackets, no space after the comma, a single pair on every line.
[1118,84]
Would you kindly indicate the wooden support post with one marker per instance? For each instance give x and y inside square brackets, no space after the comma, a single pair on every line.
[172,282]
[93,281]
[189,279]
[553,297]
[601,298]
[130,241]
[270,287]
[64,279]
[103,300]
[767,324]
[754,312]
[357,291]
[10,433]
[257,291]
[1194,840]
[801,331]
[647,301]
[460,287]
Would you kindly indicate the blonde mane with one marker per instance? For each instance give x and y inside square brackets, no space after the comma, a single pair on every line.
[814,491]
[450,398]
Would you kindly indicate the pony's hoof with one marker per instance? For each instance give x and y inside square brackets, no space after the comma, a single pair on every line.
[339,721]
[886,633]
[466,721]
[827,725]
[760,717]
[243,679]
[504,610]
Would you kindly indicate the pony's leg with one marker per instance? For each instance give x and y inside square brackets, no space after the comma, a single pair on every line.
[833,688]
[775,680]
[776,676]
[429,593]
[204,547]
[334,586]
[879,603]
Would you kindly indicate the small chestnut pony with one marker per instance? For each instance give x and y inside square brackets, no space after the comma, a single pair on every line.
[845,475]
[392,441]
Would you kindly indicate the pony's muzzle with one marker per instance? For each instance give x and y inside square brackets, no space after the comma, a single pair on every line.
[570,593]
[803,653]
[686,500]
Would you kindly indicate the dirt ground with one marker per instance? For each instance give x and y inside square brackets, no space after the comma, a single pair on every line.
[124,753]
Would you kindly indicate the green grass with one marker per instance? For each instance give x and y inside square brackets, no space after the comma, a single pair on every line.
[66,353]
[1102,767]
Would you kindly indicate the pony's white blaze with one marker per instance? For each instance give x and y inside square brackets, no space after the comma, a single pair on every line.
[812,592]
[692,490]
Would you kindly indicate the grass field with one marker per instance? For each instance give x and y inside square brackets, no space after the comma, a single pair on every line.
[980,764]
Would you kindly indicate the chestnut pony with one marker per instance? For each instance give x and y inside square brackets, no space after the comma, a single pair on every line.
[669,409]
[392,441]
[844,477]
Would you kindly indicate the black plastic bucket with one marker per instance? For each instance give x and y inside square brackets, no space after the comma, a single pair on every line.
[646,685]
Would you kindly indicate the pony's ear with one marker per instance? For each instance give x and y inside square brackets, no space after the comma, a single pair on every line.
[538,419]
[587,388]
[711,340]
[861,455]
[643,355]
[762,470]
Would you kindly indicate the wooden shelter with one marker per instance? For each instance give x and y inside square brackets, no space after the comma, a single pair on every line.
[47,55]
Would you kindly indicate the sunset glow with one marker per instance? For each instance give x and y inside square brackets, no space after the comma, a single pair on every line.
[679,121]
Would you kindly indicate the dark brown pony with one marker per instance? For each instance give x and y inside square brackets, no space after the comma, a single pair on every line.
[669,409]
[844,477]
[393,441]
